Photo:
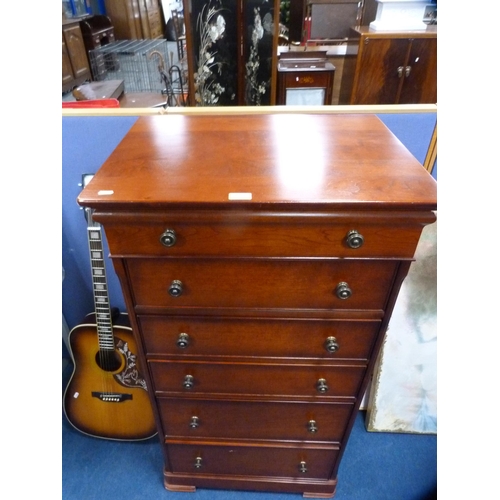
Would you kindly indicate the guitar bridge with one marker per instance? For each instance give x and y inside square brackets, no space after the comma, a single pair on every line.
[111,397]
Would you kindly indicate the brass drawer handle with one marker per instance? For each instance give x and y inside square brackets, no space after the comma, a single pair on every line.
[194,423]
[176,288]
[188,382]
[198,463]
[331,344]
[303,467]
[168,238]
[183,340]
[321,386]
[311,426]
[343,291]
[354,239]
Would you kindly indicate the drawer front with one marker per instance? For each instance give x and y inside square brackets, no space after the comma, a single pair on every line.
[300,79]
[321,339]
[191,377]
[304,463]
[285,239]
[191,418]
[308,284]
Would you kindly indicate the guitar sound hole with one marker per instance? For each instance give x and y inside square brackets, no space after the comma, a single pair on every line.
[108,361]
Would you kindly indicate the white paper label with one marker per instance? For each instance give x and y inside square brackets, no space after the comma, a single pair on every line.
[240,196]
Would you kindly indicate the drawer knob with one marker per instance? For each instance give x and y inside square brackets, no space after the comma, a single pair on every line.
[311,426]
[343,291]
[175,288]
[303,467]
[194,423]
[168,238]
[188,382]
[354,239]
[321,386]
[198,463]
[331,344]
[183,340]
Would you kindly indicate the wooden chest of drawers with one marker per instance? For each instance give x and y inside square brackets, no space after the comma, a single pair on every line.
[260,257]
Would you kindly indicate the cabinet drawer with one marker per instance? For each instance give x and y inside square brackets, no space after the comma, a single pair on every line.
[309,284]
[304,380]
[307,79]
[191,418]
[192,336]
[250,461]
[293,237]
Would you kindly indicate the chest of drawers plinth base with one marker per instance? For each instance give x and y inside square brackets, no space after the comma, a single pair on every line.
[308,489]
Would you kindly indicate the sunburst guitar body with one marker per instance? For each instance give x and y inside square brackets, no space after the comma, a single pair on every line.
[106,396]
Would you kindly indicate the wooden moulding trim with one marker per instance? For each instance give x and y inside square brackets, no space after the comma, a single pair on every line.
[348,314]
[221,443]
[229,216]
[255,110]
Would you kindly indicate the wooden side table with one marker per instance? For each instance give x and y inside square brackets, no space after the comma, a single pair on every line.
[305,78]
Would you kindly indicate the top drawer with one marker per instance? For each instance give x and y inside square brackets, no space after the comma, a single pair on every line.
[287,236]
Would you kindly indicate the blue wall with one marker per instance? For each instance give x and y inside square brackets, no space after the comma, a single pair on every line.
[86,144]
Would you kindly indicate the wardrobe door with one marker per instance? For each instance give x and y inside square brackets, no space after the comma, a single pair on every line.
[420,85]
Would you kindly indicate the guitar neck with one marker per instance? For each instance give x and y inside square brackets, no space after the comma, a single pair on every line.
[100,287]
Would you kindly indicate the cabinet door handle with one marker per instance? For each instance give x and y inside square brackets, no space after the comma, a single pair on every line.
[400,71]
[321,386]
[194,423]
[188,382]
[198,463]
[175,289]
[303,467]
[168,238]
[331,344]
[407,71]
[311,426]
[183,340]
[343,291]
[354,239]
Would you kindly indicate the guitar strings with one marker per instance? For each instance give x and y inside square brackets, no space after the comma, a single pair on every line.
[102,307]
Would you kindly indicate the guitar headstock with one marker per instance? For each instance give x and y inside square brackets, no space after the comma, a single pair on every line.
[86,178]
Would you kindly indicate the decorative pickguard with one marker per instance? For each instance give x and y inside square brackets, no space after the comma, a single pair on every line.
[129,376]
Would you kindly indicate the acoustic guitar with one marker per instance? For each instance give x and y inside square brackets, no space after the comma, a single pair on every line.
[106,396]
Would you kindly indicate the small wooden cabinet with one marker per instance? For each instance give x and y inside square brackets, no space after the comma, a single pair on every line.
[305,78]
[259,281]
[388,67]
[75,64]
[98,31]
[135,19]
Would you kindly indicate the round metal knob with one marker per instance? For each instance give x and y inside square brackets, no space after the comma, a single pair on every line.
[354,239]
[303,467]
[168,238]
[311,426]
[343,291]
[331,344]
[194,423]
[175,288]
[183,340]
[198,463]
[321,386]
[188,382]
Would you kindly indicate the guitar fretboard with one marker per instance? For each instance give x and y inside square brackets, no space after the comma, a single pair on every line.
[101,298]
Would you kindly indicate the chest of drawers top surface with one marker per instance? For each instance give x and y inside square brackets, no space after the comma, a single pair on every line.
[316,161]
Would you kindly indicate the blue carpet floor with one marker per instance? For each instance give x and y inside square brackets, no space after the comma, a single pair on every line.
[376,466]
